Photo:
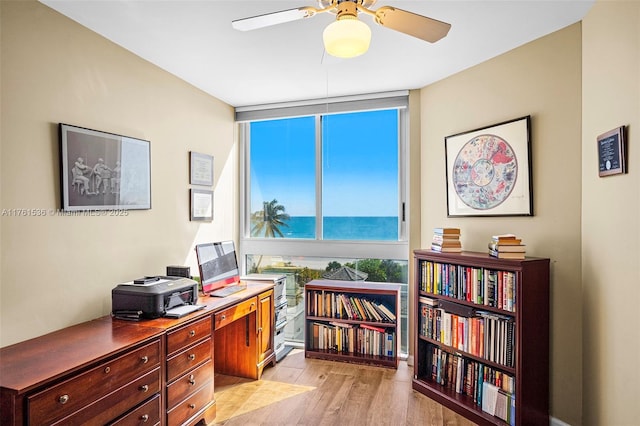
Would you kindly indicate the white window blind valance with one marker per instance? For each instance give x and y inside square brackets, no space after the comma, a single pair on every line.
[387,100]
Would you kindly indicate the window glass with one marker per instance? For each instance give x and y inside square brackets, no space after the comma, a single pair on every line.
[360,176]
[299,270]
[283,173]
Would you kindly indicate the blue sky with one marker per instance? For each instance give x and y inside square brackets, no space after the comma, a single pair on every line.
[360,162]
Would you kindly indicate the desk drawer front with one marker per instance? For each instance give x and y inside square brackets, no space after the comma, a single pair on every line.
[188,334]
[192,405]
[181,388]
[147,414]
[233,313]
[183,361]
[116,403]
[70,396]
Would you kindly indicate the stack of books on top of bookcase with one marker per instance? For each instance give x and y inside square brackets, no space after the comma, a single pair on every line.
[507,246]
[446,240]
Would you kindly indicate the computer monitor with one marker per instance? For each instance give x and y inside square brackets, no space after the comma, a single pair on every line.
[218,265]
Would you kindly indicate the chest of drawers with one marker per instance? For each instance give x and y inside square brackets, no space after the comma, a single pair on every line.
[154,372]
[90,373]
[189,366]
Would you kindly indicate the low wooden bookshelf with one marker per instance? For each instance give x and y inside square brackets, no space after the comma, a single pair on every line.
[482,324]
[352,321]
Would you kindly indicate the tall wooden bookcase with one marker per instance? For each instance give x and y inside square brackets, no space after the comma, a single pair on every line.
[500,309]
[362,332]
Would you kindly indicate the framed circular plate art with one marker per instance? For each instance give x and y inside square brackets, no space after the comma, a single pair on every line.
[489,171]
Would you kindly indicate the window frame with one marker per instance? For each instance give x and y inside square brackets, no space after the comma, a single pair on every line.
[394,250]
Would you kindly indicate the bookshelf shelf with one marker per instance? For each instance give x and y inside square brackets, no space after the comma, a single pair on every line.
[482,335]
[352,322]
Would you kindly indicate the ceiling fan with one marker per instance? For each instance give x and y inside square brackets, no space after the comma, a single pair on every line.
[347,36]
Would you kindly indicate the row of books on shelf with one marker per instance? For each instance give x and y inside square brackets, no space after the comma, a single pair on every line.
[346,338]
[492,390]
[482,334]
[507,246]
[328,304]
[481,286]
[446,240]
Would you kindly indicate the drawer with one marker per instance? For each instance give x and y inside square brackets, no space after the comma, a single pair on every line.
[231,314]
[182,387]
[186,360]
[63,399]
[188,334]
[278,340]
[147,414]
[116,403]
[191,406]
[281,315]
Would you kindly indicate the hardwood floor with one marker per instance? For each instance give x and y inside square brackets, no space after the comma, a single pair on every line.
[300,391]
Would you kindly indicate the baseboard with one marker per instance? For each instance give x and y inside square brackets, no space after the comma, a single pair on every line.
[557,422]
[410,360]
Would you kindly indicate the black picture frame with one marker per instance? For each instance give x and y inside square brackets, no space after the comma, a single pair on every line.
[103,171]
[612,158]
[200,169]
[489,172]
[201,205]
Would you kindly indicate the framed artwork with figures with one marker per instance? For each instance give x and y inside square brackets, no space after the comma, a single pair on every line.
[103,171]
[488,170]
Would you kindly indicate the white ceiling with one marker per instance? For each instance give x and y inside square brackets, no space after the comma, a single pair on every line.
[193,40]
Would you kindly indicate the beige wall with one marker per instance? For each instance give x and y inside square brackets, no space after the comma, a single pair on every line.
[576,84]
[611,217]
[57,271]
[541,79]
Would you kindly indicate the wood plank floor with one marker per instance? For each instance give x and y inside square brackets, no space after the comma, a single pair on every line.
[300,391]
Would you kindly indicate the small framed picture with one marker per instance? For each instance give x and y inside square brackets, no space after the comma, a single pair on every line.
[201,169]
[612,152]
[201,205]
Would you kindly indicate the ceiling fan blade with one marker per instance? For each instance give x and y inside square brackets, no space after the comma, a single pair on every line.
[261,21]
[419,26]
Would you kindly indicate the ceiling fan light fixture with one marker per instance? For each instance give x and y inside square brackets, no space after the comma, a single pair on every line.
[347,37]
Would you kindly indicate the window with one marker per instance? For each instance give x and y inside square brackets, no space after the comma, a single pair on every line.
[324,189]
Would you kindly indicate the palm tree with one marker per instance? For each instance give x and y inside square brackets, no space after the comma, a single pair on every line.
[267,222]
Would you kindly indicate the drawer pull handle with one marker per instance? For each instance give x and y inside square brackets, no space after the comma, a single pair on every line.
[223,317]
[107,370]
[144,359]
[192,406]
[192,357]
[144,418]
[144,388]
[63,399]
[192,380]
[260,330]
[192,333]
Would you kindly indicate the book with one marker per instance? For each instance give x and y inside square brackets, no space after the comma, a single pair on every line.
[445,238]
[435,247]
[446,231]
[515,248]
[449,243]
[506,239]
[489,398]
[506,255]
[371,327]
[502,407]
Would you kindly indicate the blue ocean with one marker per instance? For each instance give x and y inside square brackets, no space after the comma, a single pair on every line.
[378,228]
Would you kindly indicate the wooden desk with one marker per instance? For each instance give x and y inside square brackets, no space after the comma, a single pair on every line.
[157,371]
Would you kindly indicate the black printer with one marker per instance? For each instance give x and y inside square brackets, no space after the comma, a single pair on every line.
[153,297]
